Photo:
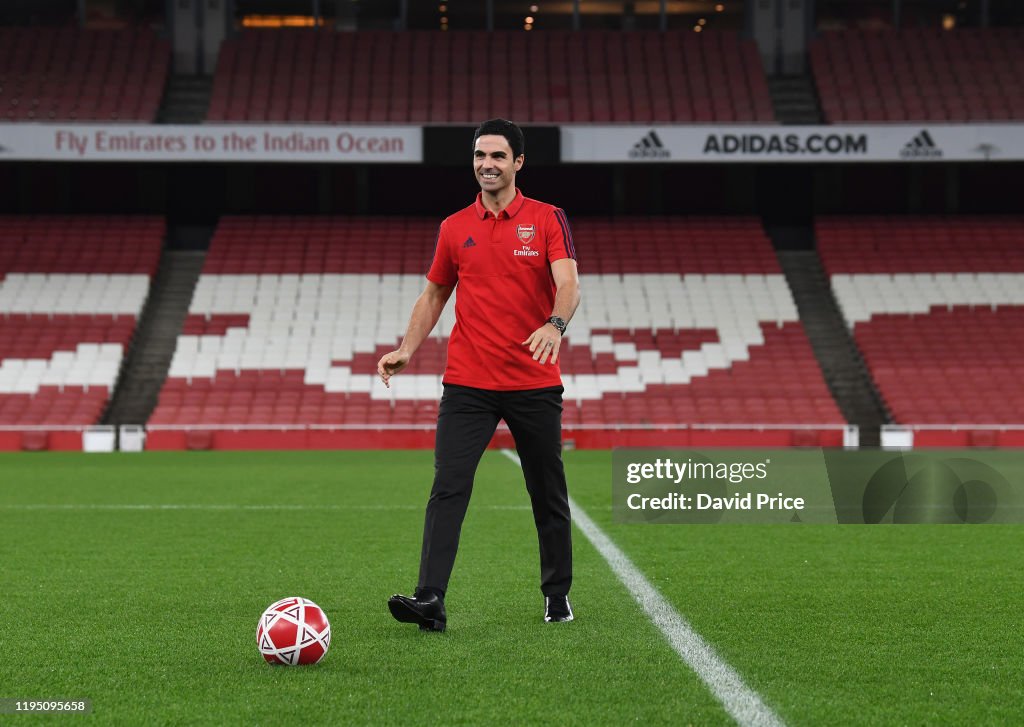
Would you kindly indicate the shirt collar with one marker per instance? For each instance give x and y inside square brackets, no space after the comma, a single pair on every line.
[513,208]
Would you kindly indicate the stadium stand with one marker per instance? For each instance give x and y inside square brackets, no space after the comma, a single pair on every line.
[430,76]
[920,75]
[59,74]
[71,290]
[291,315]
[936,306]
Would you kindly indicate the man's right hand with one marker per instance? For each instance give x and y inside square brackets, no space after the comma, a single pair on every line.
[390,364]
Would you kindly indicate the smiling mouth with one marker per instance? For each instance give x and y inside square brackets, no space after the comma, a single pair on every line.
[489,175]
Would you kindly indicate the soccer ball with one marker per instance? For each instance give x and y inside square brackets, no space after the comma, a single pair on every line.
[293,631]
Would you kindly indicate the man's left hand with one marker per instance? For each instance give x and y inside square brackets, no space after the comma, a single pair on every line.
[544,342]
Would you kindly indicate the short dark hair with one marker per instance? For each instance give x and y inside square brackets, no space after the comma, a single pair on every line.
[503,127]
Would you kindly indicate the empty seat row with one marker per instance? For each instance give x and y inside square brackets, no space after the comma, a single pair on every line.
[431,76]
[920,75]
[942,331]
[71,292]
[69,74]
[278,346]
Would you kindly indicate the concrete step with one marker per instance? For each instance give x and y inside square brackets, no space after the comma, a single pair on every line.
[795,100]
[837,354]
[186,100]
[149,357]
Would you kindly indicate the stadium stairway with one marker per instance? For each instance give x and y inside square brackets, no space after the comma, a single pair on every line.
[186,100]
[149,358]
[795,100]
[838,356]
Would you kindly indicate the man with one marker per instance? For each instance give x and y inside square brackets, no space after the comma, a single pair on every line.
[515,266]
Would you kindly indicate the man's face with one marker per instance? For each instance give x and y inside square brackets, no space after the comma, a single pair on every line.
[493,164]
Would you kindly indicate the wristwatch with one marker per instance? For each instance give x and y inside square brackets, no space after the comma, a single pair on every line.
[558,323]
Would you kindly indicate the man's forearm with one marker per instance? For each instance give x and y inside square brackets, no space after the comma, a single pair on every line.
[425,314]
[567,299]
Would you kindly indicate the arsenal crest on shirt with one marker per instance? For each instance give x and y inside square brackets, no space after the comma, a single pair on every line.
[526,232]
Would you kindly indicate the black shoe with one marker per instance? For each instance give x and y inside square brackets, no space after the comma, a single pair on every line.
[425,608]
[557,609]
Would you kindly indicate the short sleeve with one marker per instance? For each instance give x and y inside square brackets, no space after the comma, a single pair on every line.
[443,270]
[559,236]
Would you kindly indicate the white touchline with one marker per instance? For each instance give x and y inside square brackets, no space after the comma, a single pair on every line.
[740,701]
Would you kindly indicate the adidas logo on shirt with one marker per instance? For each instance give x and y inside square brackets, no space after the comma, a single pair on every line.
[921,146]
[469,243]
[649,147]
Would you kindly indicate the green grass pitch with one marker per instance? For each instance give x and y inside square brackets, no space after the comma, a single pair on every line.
[151,612]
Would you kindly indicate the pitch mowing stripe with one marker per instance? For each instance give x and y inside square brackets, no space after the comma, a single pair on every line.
[740,701]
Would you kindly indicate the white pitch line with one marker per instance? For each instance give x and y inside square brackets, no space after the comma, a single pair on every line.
[117,506]
[740,701]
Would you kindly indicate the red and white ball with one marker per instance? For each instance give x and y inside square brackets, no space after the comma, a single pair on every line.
[293,631]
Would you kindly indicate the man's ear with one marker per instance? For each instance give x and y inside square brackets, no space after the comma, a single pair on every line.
[519,161]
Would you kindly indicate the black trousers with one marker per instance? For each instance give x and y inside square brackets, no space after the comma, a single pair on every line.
[466,421]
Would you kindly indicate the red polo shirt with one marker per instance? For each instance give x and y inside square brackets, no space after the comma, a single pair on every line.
[505,291]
